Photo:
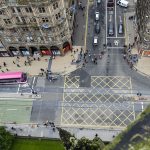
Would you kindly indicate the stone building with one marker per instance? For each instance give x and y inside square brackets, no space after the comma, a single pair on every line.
[143,25]
[30,27]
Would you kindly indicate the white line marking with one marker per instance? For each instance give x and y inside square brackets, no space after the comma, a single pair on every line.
[115,37]
[106,21]
[142,106]
[114,47]
[18,88]
[133,111]
[11,109]
[115,19]
[33,82]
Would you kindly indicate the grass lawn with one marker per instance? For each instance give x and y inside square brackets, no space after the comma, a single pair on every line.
[35,144]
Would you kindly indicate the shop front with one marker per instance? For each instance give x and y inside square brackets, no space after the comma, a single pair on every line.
[55,51]
[4,53]
[66,47]
[33,50]
[14,51]
[45,51]
[24,51]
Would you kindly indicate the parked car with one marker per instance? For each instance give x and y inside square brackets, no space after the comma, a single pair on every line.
[110,29]
[110,4]
[98,1]
[96,15]
[123,3]
[120,28]
[95,40]
[97,27]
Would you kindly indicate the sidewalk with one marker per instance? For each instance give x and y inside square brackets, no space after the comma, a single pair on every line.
[33,130]
[62,65]
[142,66]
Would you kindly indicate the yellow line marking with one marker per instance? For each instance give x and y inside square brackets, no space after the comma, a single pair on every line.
[86,27]
[125,31]
[62,101]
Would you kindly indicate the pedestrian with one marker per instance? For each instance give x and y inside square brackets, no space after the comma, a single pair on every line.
[0,67]
[7,69]
[18,65]
[74,51]
[25,63]
[77,50]
[4,64]
[14,62]
[83,65]
[38,58]
[2,71]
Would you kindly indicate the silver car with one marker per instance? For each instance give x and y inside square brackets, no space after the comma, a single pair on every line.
[120,28]
[96,15]
[111,29]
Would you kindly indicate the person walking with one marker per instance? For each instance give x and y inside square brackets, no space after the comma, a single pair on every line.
[4,64]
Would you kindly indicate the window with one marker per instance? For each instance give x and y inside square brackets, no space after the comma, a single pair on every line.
[32,20]
[23,19]
[57,16]
[25,29]
[7,39]
[42,10]
[28,9]
[7,21]
[2,12]
[36,29]
[55,5]
[18,9]
[13,10]
[62,34]
[17,19]
[45,19]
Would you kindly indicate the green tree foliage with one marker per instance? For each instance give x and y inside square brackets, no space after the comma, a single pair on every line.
[65,137]
[71,143]
[6,139]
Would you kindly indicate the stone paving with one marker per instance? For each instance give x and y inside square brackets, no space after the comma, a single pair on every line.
[33,130]
[142,66]
[61,64]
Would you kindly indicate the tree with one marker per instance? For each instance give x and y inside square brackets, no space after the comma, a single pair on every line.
[65,136]
[71,143]
[6,139]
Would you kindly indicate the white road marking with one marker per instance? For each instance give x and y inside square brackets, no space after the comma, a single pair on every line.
[115,19]
[106,21]
[133,111]
[112,37]
[114,47]
[33,82]
[116,42]
[18,88]
[142,106]
[41,133]
[11,109]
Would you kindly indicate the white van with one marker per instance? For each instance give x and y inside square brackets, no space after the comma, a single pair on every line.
[123,3]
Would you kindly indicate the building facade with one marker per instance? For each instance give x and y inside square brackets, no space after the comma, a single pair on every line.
[29,27]
[143,26]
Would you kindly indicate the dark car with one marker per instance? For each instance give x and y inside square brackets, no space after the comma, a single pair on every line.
[97,27]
